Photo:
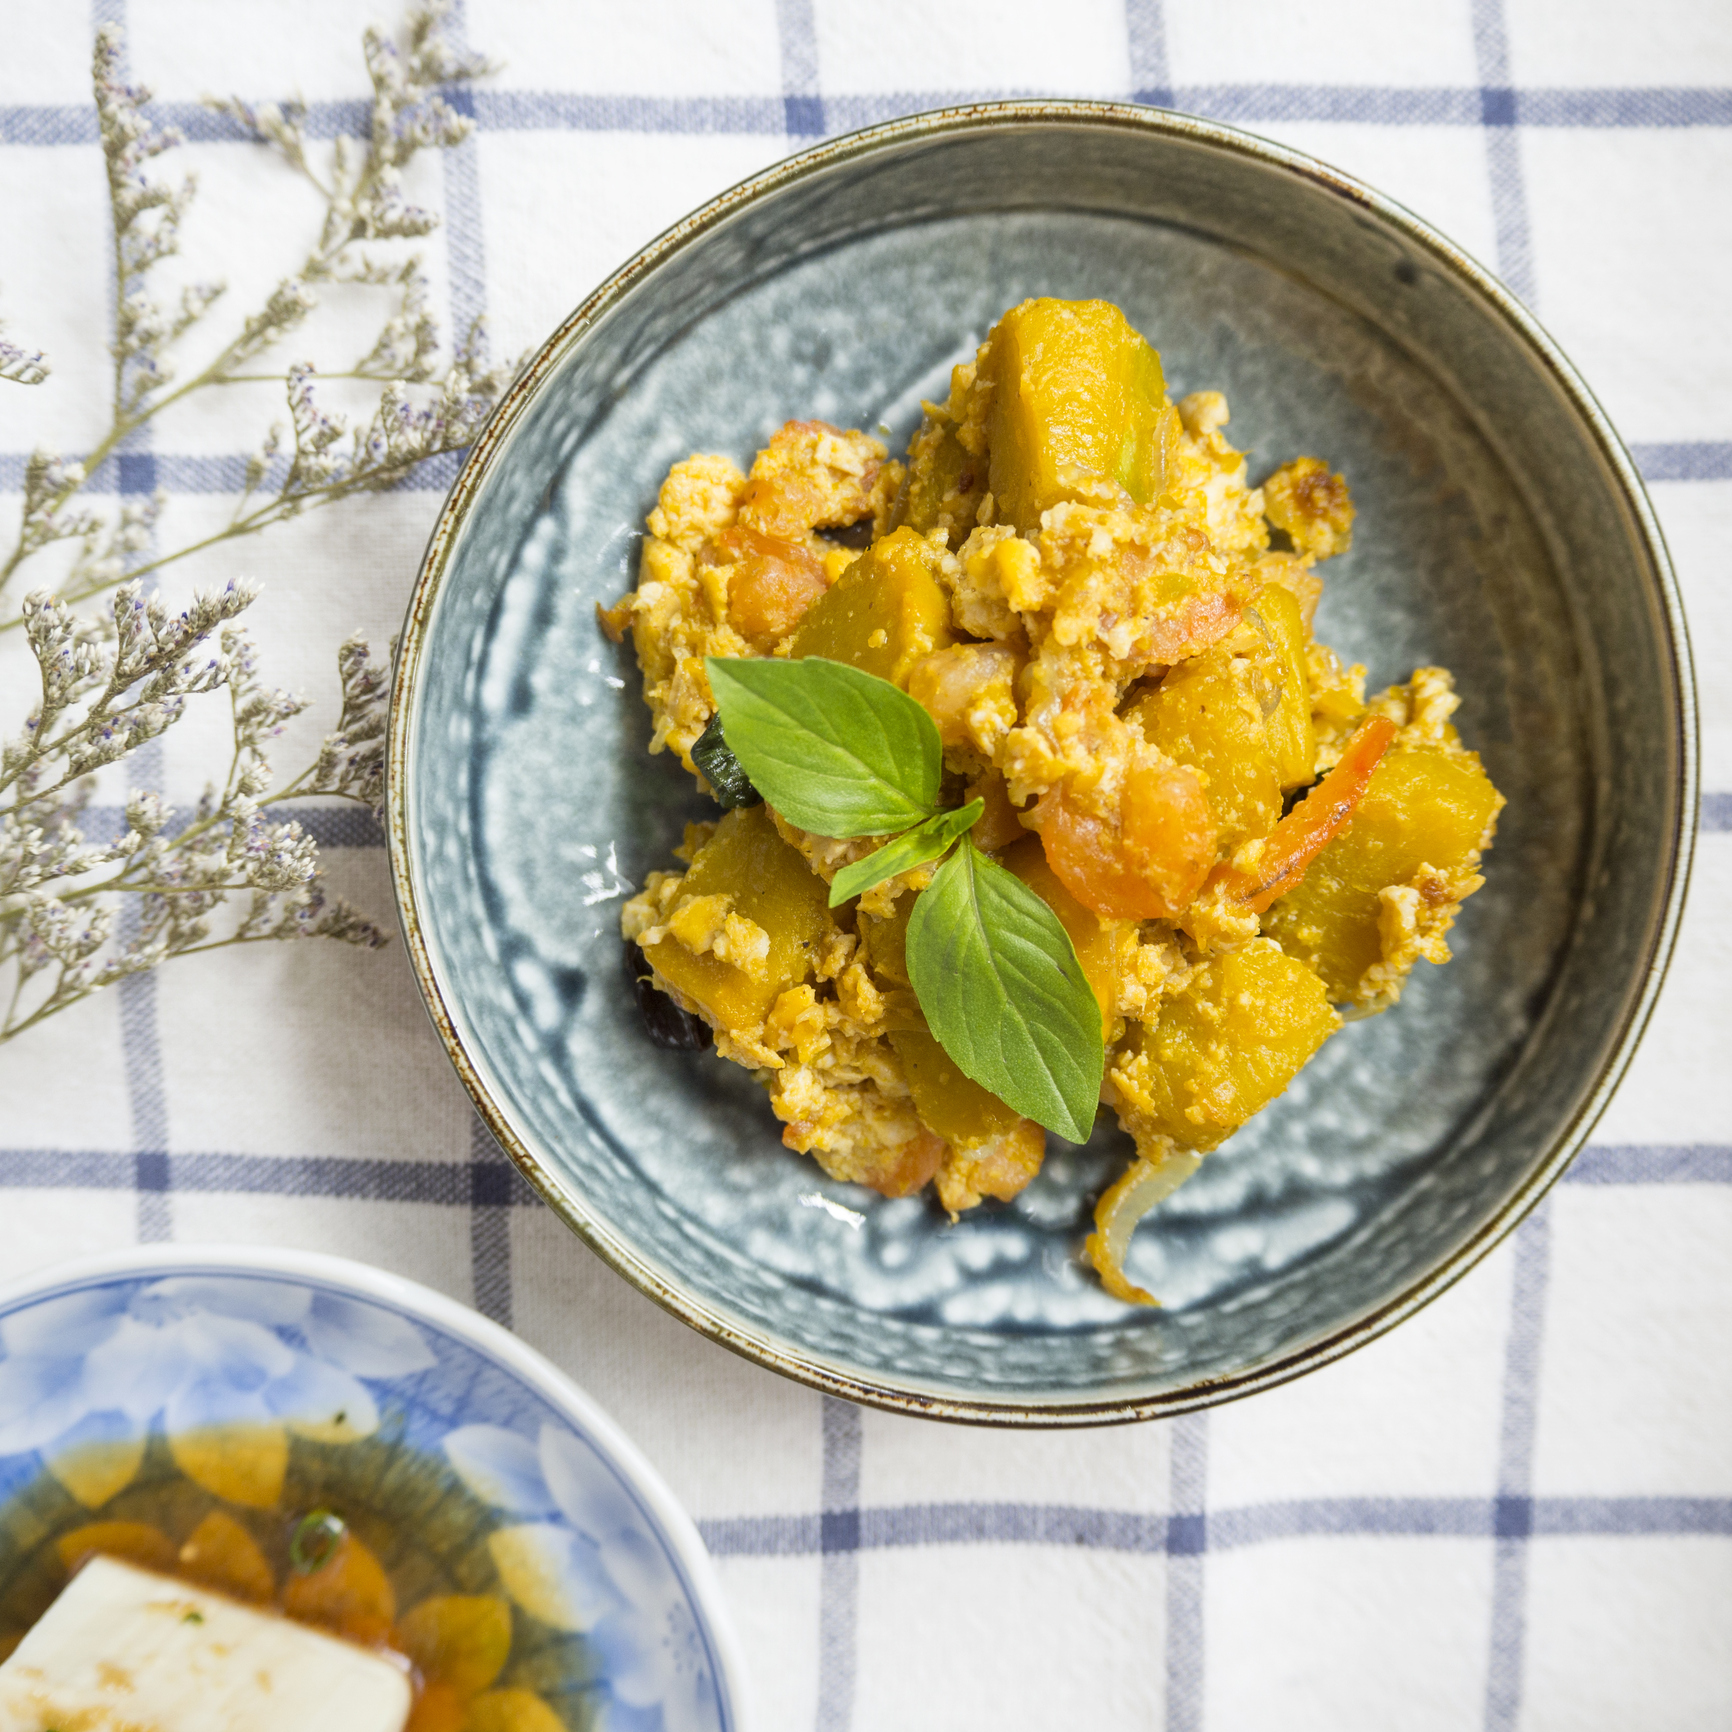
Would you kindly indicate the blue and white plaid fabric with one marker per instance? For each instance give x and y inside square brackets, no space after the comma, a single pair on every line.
[1516,1512]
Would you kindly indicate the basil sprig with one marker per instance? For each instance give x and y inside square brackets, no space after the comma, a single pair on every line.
[1004,994]
[901,854]
[840,752]
[835,750]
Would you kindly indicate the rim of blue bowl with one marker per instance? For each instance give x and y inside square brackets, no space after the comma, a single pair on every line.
[815,1370]
[411,1299]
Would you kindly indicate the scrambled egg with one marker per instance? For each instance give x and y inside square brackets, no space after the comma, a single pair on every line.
[1112,627]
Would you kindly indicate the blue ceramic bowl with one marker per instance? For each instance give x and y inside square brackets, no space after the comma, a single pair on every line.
[1502,532]
[502,1476]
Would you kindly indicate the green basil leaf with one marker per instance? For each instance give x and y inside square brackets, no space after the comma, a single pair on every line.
[730,784]
[1004,994]
[834,749]
[912,848]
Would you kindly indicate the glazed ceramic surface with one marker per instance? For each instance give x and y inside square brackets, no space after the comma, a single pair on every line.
[575,1528]
[1501,533]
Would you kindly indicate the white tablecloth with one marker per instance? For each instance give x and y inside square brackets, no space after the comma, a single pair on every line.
[1514,1512]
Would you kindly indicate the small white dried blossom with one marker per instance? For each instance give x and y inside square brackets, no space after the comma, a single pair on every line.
[147,215]
[22,366]
[107,685]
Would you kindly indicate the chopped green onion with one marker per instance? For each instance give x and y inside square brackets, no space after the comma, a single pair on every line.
[315,1540]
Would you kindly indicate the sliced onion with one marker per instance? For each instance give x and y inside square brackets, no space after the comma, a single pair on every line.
[1142,1185]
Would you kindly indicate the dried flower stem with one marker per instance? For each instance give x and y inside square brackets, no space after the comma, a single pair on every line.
[108,684]
[363,203]
[111,681]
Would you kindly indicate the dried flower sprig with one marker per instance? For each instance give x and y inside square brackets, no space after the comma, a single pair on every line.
[364,203]
[108,683]
[79,913]
[22,366]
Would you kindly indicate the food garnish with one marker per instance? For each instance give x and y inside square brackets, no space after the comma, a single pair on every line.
[721,769]
[834,749]
[315,1540]
[844,753]
[1004,994]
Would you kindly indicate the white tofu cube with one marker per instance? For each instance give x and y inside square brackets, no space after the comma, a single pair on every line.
[123,1648]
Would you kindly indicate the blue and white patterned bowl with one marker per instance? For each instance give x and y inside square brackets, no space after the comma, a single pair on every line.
[580,1533]
[1502,532]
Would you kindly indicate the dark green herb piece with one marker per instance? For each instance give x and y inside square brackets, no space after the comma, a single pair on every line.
[912,848]
[835,750]
[194,1617]
[1003,992]
[728,782]
[315,1540]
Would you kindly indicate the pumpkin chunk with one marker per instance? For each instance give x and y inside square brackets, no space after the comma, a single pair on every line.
[1208,713]
[1225,1047]
[1427,814]
[1292,734]
[884,613]
[958,1109]
[1079,404]
[765,883]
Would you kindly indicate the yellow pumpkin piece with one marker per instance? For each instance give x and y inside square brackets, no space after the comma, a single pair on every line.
[770,885]
[131,1542]
[1097,941]
[461,1640]
[243,1463]
[219,1553]
[954,1106]
[438,1708]
[1292,734]
[883,613]
[1225,1047]
[511,1711]
[1424,807]
[1078,405]
[95,1472]
[349,1594]
[1208,713]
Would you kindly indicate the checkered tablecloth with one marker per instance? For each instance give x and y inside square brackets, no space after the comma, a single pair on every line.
[1515,1512]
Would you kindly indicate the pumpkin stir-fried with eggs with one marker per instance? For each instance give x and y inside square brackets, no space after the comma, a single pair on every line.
[1112,630]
